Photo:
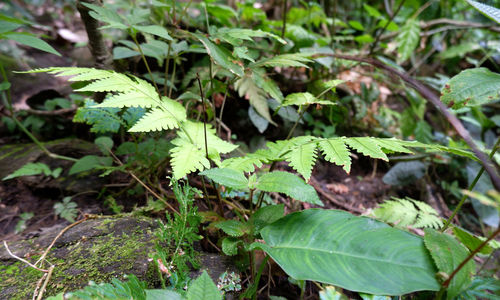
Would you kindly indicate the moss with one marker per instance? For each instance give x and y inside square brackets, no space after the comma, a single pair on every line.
[98,259]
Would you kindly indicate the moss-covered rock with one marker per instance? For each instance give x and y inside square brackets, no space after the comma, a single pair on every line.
[97,249]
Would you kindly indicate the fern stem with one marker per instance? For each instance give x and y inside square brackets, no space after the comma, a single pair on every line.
[283,29]
[297,122]
[470,188]
[377,38]
[222,108]
[134,38]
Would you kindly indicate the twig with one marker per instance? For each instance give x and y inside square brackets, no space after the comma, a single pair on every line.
[85,218]
[47,279]
[434,99]
[22,259]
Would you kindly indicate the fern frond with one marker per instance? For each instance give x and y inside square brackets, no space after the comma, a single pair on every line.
[335,151]
[187,158]
[367,146]
[129,91]
[302,158]
[191,140]
[408,212]
[392,145]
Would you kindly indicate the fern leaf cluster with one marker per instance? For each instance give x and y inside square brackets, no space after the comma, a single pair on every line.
[301,152]
[189,153]
[408,212]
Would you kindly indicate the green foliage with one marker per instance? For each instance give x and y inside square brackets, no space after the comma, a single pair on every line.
[289,184]
[408,212]
[472,241]
[203,288]
[31,169]
[355,253]
[176,237]
[489,11]
[447,254]
[66,209]
[8,31]
[21,224]
[408,38]
[471,87]
[90,162]
[227,177]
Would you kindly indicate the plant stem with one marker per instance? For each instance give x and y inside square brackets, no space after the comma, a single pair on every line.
[134,38]
[471,255]
[172,78]
[283,29]
[471,187]
[167,63]
[302,112]
[377,38]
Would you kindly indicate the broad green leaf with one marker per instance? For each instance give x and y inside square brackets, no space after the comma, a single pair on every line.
[257,120]
[355,253]
[489,11]
[366,146]
[203,288]
[448,253]
[335,151]
[289,184]
[29,40]
[233,228]
[220,55]
[266,215]
[154,30]
[30,169]
[90,162]
[304,99]
[408,38]
[471,87]
[227,177]
[405,173]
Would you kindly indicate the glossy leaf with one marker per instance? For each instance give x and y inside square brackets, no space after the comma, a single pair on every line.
[471,87]
[355,253]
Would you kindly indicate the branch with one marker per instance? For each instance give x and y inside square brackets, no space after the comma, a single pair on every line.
[434,99]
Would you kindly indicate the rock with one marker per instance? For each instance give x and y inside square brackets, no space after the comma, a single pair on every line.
[97,249]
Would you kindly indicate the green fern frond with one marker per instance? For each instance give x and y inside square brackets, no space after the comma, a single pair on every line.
[366,146]
[187,158]
[335,151]
[189,155]
[408,212]
[302,158]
